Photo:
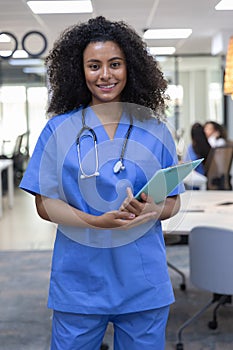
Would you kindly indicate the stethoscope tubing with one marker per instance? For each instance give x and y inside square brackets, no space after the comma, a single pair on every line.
[119,164]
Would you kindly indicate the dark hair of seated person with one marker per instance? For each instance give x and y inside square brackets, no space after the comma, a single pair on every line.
[200,142]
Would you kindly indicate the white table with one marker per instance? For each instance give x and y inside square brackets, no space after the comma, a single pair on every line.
[201,208]
[7,164]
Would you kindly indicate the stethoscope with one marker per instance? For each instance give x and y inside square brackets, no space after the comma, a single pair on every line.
[118,167]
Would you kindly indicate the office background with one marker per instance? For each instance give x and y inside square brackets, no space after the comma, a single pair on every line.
[194,68]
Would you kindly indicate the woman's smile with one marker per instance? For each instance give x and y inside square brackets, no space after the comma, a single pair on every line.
[105,71]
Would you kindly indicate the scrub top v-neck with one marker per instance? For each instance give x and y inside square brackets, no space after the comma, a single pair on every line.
[103,271]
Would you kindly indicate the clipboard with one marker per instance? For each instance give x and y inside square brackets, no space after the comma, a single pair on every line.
[164,181]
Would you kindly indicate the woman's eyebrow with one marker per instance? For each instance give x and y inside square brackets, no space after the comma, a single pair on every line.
[116,58]
[93,60]
[111,59]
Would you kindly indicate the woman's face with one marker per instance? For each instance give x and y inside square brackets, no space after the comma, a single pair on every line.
[105,71]
[209,130]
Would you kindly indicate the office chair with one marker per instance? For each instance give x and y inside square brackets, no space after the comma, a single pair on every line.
[218,166]
[20,157]
[211,262]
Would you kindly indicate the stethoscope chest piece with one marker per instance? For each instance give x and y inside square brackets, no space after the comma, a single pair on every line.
[118,167]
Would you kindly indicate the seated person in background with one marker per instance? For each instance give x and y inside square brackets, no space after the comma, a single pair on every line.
[199,147]
[215,133]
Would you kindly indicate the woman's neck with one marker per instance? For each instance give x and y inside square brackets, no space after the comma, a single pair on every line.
[109,114]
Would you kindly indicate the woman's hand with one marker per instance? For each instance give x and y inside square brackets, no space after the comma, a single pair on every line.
[132,205]
[123,220]
[160,211]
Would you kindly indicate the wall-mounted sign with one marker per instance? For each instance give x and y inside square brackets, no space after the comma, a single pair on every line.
[34,43]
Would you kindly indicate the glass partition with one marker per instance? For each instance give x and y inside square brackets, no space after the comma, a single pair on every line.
[23,99]
[196,92]
[194,86]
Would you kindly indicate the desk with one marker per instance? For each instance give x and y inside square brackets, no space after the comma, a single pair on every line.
[201,208]
[7,164]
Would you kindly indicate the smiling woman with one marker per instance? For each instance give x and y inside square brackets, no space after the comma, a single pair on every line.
[64,67]
[105,71]
[104,140]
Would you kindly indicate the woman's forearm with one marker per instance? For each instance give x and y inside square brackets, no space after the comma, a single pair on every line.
[169,207]
[60,212]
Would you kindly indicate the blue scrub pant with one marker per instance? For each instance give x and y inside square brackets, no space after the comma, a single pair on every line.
[135,331]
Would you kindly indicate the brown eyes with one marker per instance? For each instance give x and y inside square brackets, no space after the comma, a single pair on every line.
[116,64]
[95,66]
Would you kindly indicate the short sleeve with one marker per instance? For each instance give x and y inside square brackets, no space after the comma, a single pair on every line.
[40,176]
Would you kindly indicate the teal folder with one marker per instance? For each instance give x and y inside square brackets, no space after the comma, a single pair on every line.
[164,181]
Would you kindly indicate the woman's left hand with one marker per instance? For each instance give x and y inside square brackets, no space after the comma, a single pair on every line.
[163,210]
[132,205]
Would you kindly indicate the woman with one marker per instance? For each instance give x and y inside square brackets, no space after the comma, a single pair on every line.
[215,133]
[93,156]
[199,147]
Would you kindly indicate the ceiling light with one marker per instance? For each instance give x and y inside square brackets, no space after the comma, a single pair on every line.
[45,7]
[25,62]
[34,70]
[224,5]
[5,53]
[20,54]
[4,38]
[167,33]
[163,50]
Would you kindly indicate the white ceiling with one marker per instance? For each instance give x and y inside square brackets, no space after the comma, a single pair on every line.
[200,15]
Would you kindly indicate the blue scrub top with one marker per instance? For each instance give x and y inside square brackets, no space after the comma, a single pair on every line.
[191,155]
[103,271]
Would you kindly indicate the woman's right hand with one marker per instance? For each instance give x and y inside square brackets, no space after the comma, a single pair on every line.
[122,220]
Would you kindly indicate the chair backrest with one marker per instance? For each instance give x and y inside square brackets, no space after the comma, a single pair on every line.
[218,166]
[21,144]
[21,153]
[211,259]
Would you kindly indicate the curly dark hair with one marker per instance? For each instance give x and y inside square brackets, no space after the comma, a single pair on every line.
[67,86]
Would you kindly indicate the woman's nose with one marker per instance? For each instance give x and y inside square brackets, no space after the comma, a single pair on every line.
[105,73]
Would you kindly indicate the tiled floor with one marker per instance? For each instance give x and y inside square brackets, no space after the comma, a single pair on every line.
[21,229]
